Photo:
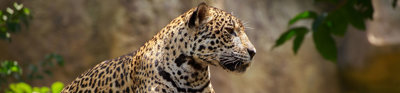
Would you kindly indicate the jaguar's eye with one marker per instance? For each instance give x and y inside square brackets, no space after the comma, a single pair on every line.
[231,31]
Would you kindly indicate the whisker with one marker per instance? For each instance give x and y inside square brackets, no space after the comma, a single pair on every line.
[245,23]
[237,64]
[249,28]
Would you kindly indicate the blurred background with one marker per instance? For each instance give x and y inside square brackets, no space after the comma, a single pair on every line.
[86,32]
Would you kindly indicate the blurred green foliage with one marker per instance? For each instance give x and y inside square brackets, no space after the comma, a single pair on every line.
[327,24]
[49,62]
[22,87]
[11,20]
[11,70]
[299,32]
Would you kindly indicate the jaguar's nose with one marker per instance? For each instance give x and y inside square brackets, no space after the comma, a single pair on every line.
[251,52]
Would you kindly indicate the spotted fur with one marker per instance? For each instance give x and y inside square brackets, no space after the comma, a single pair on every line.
[177,58]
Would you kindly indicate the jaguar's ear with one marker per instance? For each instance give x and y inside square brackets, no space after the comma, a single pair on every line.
[200,16]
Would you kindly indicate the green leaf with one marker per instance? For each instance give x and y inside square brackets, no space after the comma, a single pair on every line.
[9,67]
[318,21]
[355,18]
[33,71]
[339,27]
[48,72]
[363,7]
[284,37]
[325,44]
[44,90]
[367,9]
[297,43]
[59,59]
[13,87]
[33,68]
[13,27]
[36,90]
[41,90]
[26,11]
[3,29]
[56,87]
[337,23]
[14,69]
[25,19]
[3,34]
[394,3]
[21,88]
[300,33]
[303,15]
[1,15]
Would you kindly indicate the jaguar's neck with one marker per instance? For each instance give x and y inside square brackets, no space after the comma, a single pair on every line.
[167,58]
[184,74]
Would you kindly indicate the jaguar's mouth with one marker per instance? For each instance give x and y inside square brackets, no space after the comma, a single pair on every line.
[235,64]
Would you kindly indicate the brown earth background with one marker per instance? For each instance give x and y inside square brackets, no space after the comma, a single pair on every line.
[86,32]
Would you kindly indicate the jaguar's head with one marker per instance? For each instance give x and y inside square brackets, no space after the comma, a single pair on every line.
[219,39]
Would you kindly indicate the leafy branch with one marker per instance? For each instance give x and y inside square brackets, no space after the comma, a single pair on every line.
[327,24]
